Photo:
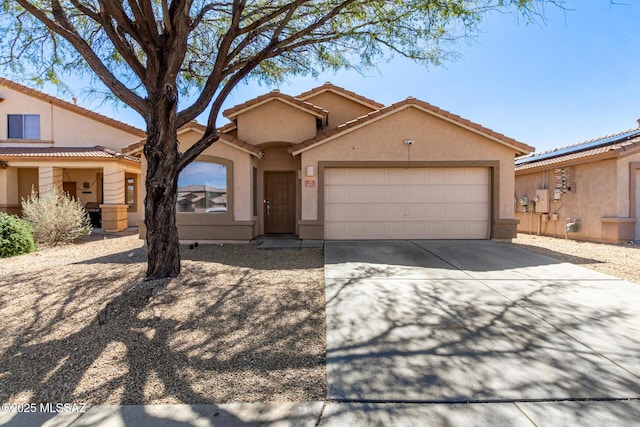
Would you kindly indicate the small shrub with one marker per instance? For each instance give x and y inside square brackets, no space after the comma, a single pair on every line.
[15,236]
[55,218]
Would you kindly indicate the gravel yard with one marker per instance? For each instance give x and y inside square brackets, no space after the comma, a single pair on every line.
[621,260]
[239,325]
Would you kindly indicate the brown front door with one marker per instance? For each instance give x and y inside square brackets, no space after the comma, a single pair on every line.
[280,202]
[69,189]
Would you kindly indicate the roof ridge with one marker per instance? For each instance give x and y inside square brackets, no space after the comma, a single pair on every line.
[274,94]
[331,86]
[69,106]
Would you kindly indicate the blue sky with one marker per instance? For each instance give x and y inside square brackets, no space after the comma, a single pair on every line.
[572,78]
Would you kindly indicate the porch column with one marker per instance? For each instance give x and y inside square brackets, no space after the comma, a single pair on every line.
[114,209]
[48,179]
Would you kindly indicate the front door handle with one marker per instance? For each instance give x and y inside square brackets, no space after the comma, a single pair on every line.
[268,207]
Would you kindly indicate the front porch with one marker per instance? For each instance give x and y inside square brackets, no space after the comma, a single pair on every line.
[112,183]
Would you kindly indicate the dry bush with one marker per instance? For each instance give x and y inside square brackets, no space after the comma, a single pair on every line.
[55,218]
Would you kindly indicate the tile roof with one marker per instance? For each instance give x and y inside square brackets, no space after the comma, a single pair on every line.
[321,137]
[340,90]
[71,107]
[572,150]
[61,152]
[275,95]
[614,149]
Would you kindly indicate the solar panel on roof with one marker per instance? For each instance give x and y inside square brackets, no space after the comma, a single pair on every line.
[582,147]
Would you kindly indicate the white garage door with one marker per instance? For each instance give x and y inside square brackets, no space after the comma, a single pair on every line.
[406,203]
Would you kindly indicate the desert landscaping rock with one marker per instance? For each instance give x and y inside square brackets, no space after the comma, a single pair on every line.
[621,260]
[239,325]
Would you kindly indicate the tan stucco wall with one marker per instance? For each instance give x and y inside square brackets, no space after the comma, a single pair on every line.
[276,121]
[597,195]
[341,109]
[435,140]
[64,127]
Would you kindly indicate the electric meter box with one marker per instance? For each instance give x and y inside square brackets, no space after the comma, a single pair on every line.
[542,205]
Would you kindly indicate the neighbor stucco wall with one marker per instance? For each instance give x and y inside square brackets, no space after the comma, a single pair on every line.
[58,125]
[435,140]
[341,109]
[596,195]
[276,121]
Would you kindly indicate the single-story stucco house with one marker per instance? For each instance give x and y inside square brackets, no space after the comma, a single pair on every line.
[47,142]
[332,164]
[586,191]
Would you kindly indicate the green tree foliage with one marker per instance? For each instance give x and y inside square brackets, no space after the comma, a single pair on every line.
[151,53]
[15,236]
[55,218]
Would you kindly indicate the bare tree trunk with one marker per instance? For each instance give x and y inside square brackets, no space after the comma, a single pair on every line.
[161,153]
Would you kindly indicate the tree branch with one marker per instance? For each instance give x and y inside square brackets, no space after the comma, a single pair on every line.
[65,29]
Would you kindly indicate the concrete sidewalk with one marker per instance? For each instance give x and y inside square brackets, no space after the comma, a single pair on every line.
[302,414]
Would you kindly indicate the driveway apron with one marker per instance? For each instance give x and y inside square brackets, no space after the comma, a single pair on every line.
[475,321]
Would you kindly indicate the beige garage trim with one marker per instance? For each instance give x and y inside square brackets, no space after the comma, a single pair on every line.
[407,203]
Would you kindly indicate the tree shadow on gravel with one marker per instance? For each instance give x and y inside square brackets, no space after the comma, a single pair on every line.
[235,255]
[172,341]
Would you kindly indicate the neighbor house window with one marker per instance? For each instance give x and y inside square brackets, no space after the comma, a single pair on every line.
[202,187]
[130,192]
[23,126]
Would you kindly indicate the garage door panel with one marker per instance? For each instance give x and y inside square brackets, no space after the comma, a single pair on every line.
[356,194]
[335,194]
[477,212]
[435,212]
[394,194]
[435,193]
[394,213]
[335,176]
[455,194]
[335,213]
[375,212]
[354,213]
[374,177]
[407,203]
[477,194]
[435,176]
[416,194]
[477,176]
[415,212]
[415,176]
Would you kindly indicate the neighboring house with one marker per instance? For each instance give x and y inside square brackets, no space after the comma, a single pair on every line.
[331,164]
[587,191]
[47,142]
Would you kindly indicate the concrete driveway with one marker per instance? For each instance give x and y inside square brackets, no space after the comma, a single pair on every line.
[477,321]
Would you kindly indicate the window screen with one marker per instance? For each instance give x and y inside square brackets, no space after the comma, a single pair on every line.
[23,126]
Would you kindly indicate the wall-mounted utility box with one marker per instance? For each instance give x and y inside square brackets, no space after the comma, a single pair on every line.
[542,205]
